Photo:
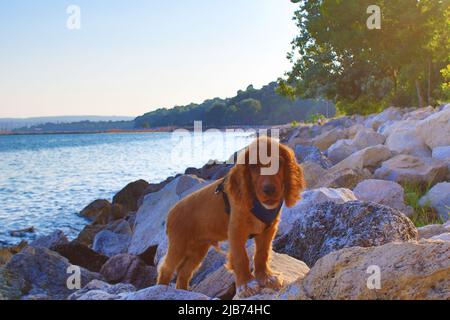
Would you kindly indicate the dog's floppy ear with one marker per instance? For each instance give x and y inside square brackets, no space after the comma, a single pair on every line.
[294,181]
[238,185]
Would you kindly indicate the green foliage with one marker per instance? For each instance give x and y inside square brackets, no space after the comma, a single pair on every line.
[423,215]
[294,124]
[314,117]
[250,107]
[445,86]
[335,55]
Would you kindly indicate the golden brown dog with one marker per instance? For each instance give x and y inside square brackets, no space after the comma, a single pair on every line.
[201,220]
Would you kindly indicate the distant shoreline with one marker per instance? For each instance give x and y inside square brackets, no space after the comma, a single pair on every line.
[160,129]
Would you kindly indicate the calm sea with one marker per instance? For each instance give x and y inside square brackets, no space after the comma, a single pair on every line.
[45,180]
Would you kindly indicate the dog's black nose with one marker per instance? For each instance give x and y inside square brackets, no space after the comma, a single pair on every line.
[269,189]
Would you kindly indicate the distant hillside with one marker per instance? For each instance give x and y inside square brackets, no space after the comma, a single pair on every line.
[15,123]
[81,126]
[250,107]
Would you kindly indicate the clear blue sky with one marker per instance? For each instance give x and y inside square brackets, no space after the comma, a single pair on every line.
[133,56]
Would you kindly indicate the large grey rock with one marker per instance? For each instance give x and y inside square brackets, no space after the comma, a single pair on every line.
[326,139]
[443,154]
[414,170]
[40,271]
[419,114]
[329,226]
[432,230]
[126,268]
[310,198]
[311,153]
[312,172]
[370,157]
[367,138]
[289,269]
[442,237]
[100,290]
[408,271]
[161,292]
[341,178]
[110,243]
[53,239]
[384,192]
[434,129]
[149,229]
[390,113]
[438,198]
[340,150]
[220,283]
[404,139]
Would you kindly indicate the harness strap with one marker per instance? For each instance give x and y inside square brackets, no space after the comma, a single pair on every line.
[259,211]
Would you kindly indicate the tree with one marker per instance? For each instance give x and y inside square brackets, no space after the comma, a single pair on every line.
[248,110]
[336,56]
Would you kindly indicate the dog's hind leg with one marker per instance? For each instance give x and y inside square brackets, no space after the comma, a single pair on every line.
[173,258]
[189,265]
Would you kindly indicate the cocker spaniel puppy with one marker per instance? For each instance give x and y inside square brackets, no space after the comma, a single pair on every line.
[245,204]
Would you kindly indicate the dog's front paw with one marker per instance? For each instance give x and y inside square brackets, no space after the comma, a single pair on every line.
[271,281]
[248,289]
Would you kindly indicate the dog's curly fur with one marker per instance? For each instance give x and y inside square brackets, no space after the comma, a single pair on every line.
[200,221]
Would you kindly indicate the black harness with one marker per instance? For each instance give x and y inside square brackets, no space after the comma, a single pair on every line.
[267,216]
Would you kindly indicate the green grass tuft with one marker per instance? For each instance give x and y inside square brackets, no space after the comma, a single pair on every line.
[425,215]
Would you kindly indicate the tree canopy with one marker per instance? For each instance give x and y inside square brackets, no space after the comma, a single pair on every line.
[337,56]
[252,106]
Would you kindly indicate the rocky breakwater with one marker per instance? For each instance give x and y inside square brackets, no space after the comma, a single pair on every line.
[355,221]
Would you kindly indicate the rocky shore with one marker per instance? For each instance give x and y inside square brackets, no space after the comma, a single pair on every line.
[357,214]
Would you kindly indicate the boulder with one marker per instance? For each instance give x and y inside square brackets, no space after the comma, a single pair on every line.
[367,138]
[433,129]
[326,139]
[53,239]
[130,194]
[390,113]
[432,230]
[340,150]
[310,198]
[149,229]
[312,172]
[94,208]
[111,213]
[406,141]
[110,243]
[81,255]
[329,226]
[414,170]
[419,114]
[311,153]
[384,192]
[438,198]
[290,270]
[370,157]
[161,292]
[441,237]
[443,154]
[342,178]
[6,253]
[220,283]
[408,271]
[99,290]
[126,268]
[87,235]
[152,188]
[43,272]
